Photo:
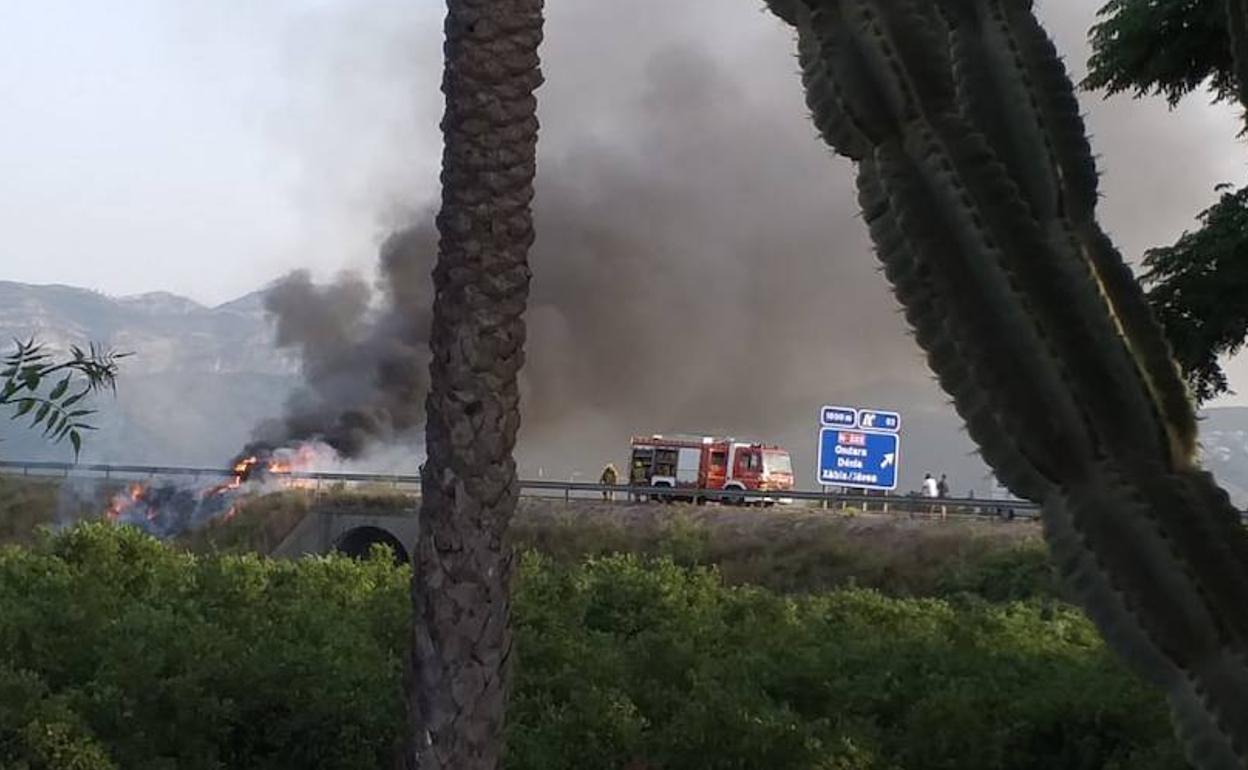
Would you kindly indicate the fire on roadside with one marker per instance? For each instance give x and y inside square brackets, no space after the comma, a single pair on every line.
[168,508]
[124,500]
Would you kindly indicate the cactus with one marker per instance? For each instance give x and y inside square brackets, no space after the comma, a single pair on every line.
[978,184]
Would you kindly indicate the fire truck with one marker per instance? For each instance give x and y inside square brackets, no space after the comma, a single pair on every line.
[687,464]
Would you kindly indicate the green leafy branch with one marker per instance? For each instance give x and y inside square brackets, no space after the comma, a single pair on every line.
[30,367]
[1199,292]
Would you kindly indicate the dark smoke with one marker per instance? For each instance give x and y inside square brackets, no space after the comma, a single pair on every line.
[707,273]
[364,368]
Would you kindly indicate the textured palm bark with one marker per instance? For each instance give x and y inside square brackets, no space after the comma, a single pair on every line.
[461,643]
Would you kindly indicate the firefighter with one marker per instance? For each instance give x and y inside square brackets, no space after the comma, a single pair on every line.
[608,478]
[637,478]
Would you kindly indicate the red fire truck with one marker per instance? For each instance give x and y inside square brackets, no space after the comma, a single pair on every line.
[689,463]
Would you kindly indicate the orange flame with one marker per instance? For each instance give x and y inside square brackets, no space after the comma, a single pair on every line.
[123,501]
[277,469]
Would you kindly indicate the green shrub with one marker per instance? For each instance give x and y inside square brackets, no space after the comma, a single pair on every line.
[39,731]
[1000,575]
[623,660]
[178,662]
[116,651]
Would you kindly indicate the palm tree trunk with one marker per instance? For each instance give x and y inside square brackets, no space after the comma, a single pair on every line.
[461,642]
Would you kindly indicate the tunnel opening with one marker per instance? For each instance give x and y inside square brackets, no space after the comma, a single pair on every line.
[357,543]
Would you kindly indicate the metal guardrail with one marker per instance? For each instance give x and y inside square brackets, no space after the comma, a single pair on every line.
[66,470]
[568,490]
[668,494]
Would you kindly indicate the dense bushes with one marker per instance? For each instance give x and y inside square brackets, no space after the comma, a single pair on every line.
[173,662]
[652,664]
[116,651]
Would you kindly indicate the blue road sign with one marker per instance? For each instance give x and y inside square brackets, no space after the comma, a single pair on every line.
[858,458]
[838,416]
[875,419]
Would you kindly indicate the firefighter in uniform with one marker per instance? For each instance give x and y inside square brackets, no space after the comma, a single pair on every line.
[608,478]
[637,478]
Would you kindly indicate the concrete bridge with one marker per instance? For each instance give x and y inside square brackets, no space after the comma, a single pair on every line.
[351,531]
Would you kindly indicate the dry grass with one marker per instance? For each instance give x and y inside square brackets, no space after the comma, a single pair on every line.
[30,502]
[790,549]
[802,549]
[26,505]
[260,524]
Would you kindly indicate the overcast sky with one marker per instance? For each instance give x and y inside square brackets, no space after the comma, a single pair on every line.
[206,147]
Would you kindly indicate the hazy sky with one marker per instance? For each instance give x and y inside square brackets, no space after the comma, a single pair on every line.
[206,147]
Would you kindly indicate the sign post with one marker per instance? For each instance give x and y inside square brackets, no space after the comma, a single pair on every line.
[859,448]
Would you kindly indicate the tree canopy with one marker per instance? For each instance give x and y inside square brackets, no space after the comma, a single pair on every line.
[1168,48]
[119,652]
[1198,287]
[1200,292]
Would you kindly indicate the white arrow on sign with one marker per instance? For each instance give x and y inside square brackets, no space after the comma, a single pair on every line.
[887,461]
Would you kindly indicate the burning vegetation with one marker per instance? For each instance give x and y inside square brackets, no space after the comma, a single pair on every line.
[168,508]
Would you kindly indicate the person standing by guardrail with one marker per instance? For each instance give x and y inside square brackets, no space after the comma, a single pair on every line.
[942,491]
[608,478]
[930,491]
[929,488]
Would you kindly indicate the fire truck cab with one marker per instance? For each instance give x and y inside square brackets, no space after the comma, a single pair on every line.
[689,463]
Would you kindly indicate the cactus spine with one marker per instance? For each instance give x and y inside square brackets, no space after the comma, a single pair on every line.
[977,182]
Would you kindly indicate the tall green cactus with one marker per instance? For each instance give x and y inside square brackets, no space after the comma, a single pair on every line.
[978,184]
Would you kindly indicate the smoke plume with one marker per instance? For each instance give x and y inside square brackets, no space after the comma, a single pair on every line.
[364,368]
[702,271]
[699,262]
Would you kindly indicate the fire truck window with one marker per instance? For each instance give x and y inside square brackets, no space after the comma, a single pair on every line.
[746,461]
[777,462]
[665,462]
[719,459]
